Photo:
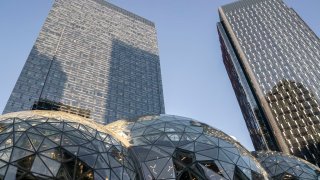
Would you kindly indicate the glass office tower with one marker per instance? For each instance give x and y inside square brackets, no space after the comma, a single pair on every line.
[92,59]
[273,61]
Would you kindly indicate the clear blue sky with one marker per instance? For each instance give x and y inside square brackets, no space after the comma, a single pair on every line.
[195,81]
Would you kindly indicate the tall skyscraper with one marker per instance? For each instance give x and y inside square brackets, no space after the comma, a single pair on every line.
[93,59]
[273,61]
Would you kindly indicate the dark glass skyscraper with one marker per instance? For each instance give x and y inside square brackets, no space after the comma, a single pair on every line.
[273,61]
[93,59]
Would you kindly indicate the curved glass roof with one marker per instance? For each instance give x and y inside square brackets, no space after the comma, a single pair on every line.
[174,147]
[283,166]
[56,145]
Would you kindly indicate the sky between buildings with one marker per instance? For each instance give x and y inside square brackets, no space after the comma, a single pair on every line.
[195,81]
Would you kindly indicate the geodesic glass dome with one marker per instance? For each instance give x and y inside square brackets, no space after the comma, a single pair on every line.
[281,166]
[56,145]
[173,147]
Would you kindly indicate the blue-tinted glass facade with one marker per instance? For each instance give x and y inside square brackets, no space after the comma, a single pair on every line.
[93,59]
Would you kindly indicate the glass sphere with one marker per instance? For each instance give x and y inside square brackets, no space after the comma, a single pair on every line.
[57,145]
[282,166]
[173,147]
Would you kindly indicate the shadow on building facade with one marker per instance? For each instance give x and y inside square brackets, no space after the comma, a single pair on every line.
[297,112]
[135,86]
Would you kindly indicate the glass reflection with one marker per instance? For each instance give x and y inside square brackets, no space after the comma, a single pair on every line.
[56,145]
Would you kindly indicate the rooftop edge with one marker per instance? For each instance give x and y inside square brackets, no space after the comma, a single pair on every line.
[125,12]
